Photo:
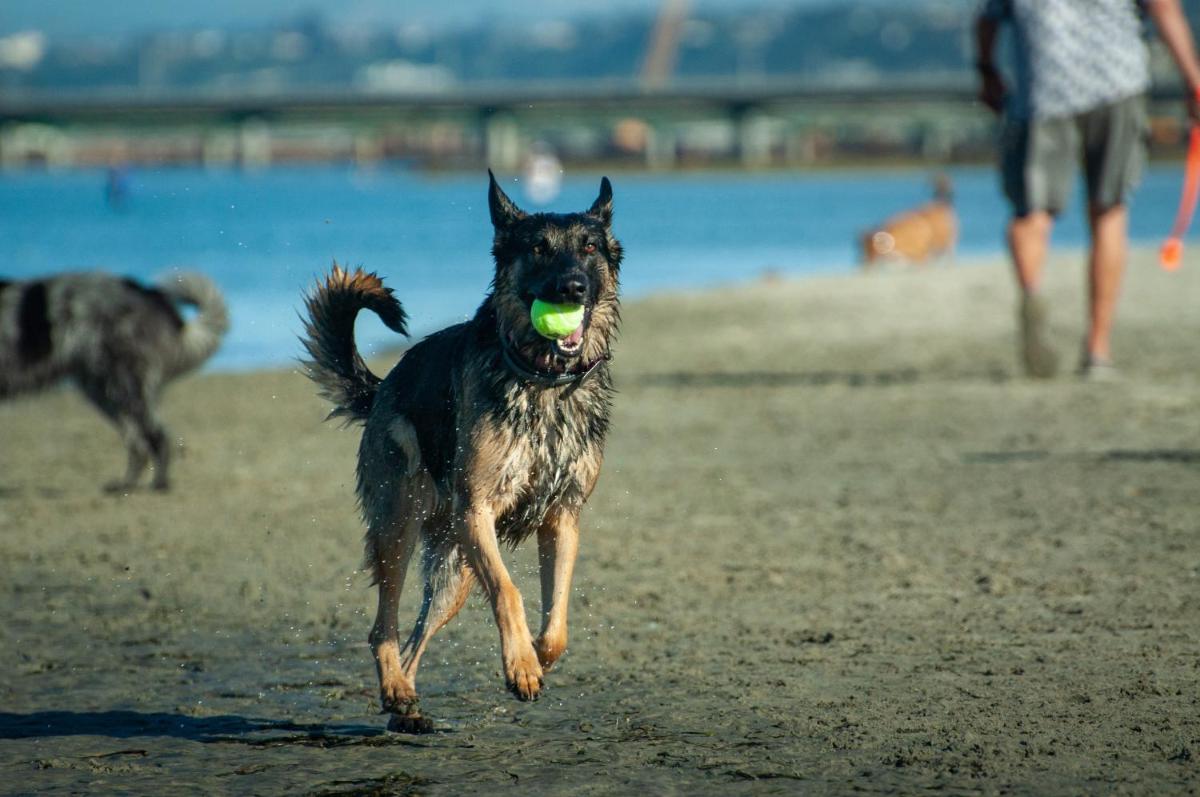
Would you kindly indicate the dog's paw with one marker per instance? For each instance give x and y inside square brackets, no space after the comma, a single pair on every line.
[410,723]
[399,699]
[524,677]
[549,650]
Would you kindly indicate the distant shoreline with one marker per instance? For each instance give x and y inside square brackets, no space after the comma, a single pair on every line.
[263,236]
[618,167]
[382,358]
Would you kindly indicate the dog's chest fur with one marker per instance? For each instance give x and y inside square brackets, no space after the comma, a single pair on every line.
[546,452]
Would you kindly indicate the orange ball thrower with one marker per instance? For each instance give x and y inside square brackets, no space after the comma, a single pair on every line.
[1170,256]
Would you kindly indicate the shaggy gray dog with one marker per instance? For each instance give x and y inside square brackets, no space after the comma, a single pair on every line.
[118,340]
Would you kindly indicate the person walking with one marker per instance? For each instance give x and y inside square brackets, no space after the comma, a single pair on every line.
[1079,76]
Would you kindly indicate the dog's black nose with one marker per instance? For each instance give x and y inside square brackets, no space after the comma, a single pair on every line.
[573,288]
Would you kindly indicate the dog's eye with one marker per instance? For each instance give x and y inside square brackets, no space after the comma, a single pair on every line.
[540,247]
[589,247]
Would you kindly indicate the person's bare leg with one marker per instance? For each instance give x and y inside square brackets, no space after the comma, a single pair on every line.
[1029,243]
[1106,268]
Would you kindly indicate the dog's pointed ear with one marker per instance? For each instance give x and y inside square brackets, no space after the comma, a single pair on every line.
[602,207]
[504,210]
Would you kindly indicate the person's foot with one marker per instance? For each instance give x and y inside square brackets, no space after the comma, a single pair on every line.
[1098,369]
[1039,359]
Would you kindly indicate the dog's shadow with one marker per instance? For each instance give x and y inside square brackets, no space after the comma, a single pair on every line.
[225,728]
[1179,456]
[7,492]
[1118,456]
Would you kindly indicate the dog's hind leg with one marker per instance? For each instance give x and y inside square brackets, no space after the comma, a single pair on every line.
[448,582]
[160,448]
[113,402]
[140,405]
[558,544]
[522,671]
[156,442]
[147,441]
[389,550]
[138,455]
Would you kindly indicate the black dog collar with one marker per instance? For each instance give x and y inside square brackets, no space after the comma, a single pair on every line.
[528,373]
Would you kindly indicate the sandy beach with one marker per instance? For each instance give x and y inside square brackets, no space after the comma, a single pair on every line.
[838,545]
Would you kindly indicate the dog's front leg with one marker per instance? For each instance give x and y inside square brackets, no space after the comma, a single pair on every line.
[522,672]
[558,544]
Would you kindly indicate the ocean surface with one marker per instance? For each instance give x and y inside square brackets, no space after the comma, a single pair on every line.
[265,235]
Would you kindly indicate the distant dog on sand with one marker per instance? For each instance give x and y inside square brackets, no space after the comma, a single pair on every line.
[483,434]
[917,235]
[118,340]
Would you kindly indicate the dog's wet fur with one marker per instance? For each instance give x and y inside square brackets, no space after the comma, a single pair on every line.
[120,341]
[483,434]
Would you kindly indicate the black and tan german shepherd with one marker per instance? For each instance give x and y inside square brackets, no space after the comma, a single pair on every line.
[484,433]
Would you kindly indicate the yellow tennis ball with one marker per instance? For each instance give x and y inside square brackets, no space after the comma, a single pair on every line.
[555,321]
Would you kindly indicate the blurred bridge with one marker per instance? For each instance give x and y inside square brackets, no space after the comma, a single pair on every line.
[627,97]
[757,121]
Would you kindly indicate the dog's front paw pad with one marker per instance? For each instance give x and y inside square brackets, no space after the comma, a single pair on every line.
[410,723]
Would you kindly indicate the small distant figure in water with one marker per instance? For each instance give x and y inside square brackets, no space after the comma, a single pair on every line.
[543,174]
[116,186]
[917,235]
[120,341]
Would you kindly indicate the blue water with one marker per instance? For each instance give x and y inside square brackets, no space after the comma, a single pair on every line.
[263,236]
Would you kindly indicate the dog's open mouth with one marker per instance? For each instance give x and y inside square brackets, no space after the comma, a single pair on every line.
[572,343]
[554,341]
[562,325]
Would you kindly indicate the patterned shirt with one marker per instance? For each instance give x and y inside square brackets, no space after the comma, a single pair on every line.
[1072,55]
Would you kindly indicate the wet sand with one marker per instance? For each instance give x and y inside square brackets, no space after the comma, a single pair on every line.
[838,546]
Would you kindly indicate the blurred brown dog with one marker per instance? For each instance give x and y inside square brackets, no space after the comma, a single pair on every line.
[917,235]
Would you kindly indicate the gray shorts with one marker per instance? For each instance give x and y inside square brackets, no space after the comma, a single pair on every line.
[1038,156]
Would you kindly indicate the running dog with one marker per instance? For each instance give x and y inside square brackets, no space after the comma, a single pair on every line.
[917,235]
[118,340]
[483,434]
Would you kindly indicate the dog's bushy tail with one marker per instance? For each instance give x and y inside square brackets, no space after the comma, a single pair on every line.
[200,336]
[335,363]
